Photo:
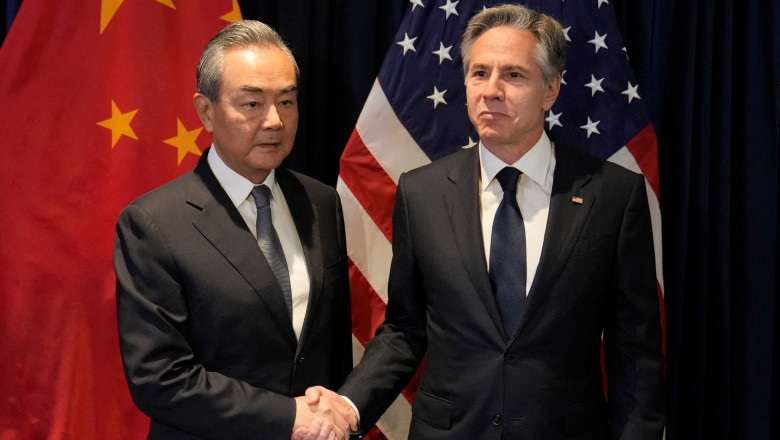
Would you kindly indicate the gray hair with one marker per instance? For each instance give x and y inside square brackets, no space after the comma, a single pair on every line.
[241,34]
[551,48]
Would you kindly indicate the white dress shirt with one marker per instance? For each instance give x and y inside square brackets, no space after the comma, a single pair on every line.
[533,196]
[239,189]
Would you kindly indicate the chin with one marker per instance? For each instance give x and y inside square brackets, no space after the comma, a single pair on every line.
[490,136]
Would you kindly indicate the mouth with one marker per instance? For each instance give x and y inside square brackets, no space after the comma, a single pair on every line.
[490,115]
[268,144]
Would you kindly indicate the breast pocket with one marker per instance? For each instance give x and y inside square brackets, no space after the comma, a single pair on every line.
[589,245]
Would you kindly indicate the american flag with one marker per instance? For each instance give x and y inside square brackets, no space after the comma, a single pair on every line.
[416,113]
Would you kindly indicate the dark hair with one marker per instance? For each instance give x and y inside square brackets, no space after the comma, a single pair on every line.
[550,50]
[244,33]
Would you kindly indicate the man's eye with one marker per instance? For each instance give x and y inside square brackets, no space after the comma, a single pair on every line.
[252,104]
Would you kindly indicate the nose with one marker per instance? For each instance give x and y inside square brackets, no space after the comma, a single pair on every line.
[493,89]
[272,120]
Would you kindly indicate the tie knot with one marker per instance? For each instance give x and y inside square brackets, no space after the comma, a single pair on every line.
[508,177]
[262,195]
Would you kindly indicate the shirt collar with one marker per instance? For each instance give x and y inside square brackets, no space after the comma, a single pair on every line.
[237,187]
[533,164]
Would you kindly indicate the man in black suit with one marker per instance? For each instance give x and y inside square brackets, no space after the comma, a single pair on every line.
[511,260]
[232,289]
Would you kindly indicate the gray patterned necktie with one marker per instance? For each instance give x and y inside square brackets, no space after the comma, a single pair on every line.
[269,242]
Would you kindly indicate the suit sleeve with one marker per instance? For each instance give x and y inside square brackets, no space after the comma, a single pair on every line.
[393,355]
[634,360]
[165,379]
[343,320]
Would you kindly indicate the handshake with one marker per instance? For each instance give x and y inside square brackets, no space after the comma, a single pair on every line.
[322,414]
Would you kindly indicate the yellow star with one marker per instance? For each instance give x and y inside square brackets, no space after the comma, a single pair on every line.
[234,15]
[107,10]
[168,3]
[119,124]
[109,7]
[185,141]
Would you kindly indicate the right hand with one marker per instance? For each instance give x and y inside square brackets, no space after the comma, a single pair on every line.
[323,415]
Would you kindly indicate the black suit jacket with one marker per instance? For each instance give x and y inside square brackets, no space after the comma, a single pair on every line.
[207,344]
[596,276]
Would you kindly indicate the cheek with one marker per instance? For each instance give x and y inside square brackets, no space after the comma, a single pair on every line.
[291,123]
[524,104]
[472,106]
[472,98]
[231,131]
[471,110]
[226,122]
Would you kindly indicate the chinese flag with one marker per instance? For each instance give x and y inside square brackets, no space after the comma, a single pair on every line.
[96,100]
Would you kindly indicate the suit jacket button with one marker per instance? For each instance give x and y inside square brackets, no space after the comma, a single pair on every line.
[509,355]
[497,419]
[299,361]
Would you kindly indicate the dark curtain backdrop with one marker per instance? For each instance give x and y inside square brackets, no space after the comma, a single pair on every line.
[711,78]
[709,72]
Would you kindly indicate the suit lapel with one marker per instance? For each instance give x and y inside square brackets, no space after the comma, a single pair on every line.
[222,225]
[564,223]
[461,200]
[306,221]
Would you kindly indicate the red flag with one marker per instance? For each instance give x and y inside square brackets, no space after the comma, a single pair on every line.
[97,109]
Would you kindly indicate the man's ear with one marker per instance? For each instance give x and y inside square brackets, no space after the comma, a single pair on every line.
[205,109]
[551,93]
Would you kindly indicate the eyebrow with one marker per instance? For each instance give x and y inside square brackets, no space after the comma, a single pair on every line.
[252,89]
[505,68]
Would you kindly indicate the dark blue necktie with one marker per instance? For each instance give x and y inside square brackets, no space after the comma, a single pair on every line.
[269,242]
[507,252]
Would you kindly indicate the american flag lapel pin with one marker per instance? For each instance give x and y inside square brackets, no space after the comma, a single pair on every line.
[577,200]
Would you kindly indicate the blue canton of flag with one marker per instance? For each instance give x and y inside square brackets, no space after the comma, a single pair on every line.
[598,110]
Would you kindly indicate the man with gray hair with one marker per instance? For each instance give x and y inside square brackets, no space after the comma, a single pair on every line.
[511,260]
[232,289]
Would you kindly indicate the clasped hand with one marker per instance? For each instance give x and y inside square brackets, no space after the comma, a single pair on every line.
[323,415]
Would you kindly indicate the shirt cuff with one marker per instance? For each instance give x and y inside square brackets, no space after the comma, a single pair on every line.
[357,413]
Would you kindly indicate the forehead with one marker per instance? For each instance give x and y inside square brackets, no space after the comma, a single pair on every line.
[257,63]
[504,42]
